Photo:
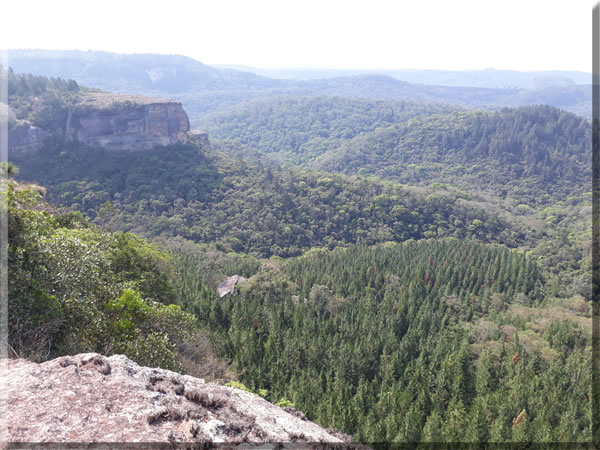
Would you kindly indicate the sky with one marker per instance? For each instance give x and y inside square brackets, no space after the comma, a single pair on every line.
[341,34]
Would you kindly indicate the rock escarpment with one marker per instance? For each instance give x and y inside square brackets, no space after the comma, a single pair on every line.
[201,137]
[125,122]
[24,139]
[91,398]
[110,121]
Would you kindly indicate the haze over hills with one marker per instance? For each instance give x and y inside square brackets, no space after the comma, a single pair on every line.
[486,78]
[203,88]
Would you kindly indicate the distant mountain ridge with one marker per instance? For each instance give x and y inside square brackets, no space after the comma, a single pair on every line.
[202,88]
[144,73]
[485,78]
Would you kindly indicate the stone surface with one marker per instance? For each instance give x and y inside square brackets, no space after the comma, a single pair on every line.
[24,139]
[228,286]
[126,122]
[201,137]
[91,398]
[111,121]
[7,113]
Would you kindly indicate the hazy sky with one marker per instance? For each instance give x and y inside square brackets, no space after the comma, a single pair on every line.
[417,34]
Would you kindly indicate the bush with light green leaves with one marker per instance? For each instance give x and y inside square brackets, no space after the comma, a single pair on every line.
[74,288]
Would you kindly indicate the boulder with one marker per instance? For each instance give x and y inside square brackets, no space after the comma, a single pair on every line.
[92,398]
[228,286]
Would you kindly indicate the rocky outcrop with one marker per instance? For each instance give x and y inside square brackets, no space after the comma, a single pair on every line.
[7,113]
[228,286]
[111,121]
[200,137]
[24,139]
[126,122]
[91,398]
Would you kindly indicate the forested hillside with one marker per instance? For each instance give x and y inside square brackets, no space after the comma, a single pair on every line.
[205,196]
[518,151]
[42,101]
[433,341]
[296,130]
[524,151]
[76,288]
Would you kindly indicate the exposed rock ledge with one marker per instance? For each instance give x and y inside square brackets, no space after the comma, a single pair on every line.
[201,137]
[126,122]
[228,286]
[111,121]
[91,398]
[24,139]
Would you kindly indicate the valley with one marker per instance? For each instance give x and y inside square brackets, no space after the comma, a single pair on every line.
[416,258]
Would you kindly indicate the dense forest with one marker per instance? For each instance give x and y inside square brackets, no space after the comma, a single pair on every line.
[414,272]
[436,340]
[298,129]
[206,196]
[431,340]
[516,152]
[184,190]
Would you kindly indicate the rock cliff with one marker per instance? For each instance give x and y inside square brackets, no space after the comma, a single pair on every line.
[125,122]
[111,121]
[201,137]
[24,139]
[91,398]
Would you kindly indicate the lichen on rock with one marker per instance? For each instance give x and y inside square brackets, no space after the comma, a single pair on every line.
[92,398]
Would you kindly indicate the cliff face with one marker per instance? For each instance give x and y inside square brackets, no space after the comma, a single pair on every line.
[111,121]
[91,398]
[24,139]
[201,137]
[123,122]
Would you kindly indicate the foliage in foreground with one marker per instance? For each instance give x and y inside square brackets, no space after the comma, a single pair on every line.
[75,288]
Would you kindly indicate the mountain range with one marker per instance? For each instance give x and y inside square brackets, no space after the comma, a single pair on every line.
[203,88]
